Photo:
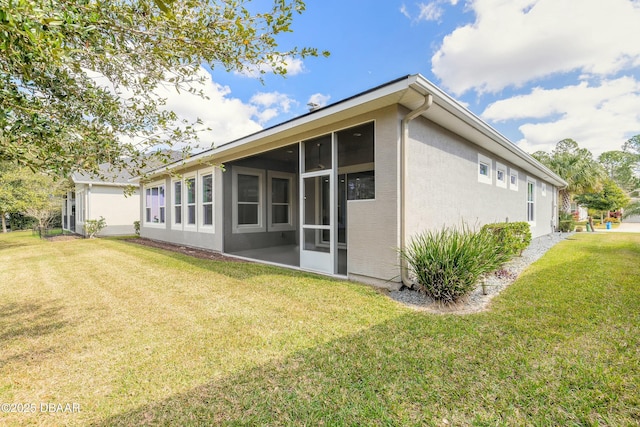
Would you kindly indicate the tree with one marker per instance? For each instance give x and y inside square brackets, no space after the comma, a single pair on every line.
[632,209]
[576,166]
[10,195]
[620,166]
[632,147]
[78,77]
[31,193]
[610,198]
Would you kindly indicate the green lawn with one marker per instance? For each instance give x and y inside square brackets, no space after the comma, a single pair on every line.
[134,336]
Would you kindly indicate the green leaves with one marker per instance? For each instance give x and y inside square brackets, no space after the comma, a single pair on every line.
[78,76]
[576,166]
[610,198]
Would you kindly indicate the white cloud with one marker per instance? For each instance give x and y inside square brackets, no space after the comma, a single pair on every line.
[228,118]
[430,12]
[600,118]
[270,105]
[427,11]
[224,118]
[513,42]
[318,99]
[404,11]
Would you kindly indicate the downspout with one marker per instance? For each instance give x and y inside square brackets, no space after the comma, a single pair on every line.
[404,136]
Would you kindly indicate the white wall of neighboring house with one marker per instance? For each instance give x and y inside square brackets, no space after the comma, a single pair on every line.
[108,201]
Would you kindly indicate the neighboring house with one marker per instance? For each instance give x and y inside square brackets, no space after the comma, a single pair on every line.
[92,198]
[580,213]
[340,189]
[635,198]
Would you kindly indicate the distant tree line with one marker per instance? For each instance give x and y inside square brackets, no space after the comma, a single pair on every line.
[601,184]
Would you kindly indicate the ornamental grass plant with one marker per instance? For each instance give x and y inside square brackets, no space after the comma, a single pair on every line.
[447,264]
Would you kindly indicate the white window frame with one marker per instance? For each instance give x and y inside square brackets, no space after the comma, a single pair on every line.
[200,204]
[484,160]
[291,225]
[185,202]
[500,168]
[513,174]
[532,209]
[175,224]
[248,228]
[151,186]
[543,189]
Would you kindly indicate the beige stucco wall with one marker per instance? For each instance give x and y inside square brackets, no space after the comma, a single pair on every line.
[373,224]
[109,202]
[443,188]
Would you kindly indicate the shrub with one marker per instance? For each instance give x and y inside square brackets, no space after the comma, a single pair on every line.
[513,237]
[566,222]
[136,227]
[93,226]
[447,264]
[612,220]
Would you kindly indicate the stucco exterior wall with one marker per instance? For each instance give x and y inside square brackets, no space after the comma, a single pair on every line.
[444,189]
[118,211]
[372,255]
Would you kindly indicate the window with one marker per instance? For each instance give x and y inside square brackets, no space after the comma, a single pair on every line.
[154,204]
[177,202]
[247,200]
[361,186]
[356,162]
[543,189]
[513,180]
[207,199]
[531,200]
[484,169]
[501,175]
[190,183]
[280,201]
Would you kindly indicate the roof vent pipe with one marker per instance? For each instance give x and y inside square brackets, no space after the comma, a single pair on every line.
[428,100]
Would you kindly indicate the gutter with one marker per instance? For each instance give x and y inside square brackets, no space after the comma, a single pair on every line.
[404,136]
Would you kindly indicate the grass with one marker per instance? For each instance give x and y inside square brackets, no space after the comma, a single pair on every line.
[140,336]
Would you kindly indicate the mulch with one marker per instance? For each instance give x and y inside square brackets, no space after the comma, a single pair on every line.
[185,250]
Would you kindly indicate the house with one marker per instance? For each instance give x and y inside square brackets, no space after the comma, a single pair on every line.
[94,197]
[341,188]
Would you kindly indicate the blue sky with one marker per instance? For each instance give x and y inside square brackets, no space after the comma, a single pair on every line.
[536,70]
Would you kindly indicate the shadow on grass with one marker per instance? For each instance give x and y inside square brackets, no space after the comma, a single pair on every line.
[10,244]
[30,319]
[351,381]
[411,370]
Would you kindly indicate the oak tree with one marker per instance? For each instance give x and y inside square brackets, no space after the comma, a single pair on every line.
[77,78]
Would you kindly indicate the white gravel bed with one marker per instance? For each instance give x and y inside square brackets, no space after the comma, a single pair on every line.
[493,283]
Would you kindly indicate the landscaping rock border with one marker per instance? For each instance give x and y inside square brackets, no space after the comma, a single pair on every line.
[493,284]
